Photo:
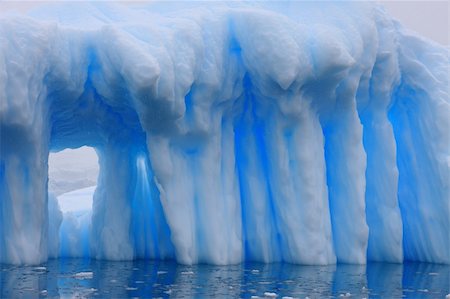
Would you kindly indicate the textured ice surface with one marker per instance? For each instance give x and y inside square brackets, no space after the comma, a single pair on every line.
[300,132]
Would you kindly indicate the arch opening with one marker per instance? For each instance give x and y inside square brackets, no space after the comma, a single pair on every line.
[73,175]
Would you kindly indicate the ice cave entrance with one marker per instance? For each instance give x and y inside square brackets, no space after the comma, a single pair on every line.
[72,181]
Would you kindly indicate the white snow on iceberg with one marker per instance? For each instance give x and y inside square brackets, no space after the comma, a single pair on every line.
[296,131]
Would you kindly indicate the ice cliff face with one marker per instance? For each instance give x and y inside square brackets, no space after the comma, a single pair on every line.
[307,133]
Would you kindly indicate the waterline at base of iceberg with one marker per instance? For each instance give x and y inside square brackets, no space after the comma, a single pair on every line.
[151,279]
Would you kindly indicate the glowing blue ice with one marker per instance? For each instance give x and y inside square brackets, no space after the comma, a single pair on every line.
[305,132]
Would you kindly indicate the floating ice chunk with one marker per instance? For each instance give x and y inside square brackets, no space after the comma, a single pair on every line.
[187,273]
[84,275]
[40,269]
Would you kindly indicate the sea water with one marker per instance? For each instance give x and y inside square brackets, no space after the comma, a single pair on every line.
[69,278]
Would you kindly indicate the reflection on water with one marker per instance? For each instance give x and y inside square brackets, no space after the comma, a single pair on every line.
[150,279]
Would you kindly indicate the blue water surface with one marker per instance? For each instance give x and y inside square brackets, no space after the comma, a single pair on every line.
[69,278]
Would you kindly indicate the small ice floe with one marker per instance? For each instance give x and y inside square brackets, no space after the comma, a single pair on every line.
[187,273]
[168,292]
[254,271]
[113,281]
[139,281]
[84,275]
[256,297]
[40,269]
[44,292]
[345,295]
[130,288]
[433,273]
[423,290]
[270,295]
[161,272]
[287,297]
[448,296]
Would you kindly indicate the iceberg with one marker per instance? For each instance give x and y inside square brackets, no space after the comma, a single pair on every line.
[309,133]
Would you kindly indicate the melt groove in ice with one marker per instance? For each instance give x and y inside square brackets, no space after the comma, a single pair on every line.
[310,133]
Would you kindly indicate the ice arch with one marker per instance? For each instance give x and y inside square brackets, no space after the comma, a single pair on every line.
[228,133]
[127,216]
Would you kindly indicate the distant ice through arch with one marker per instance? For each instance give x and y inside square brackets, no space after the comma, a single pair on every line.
[72,182]
[72,169]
